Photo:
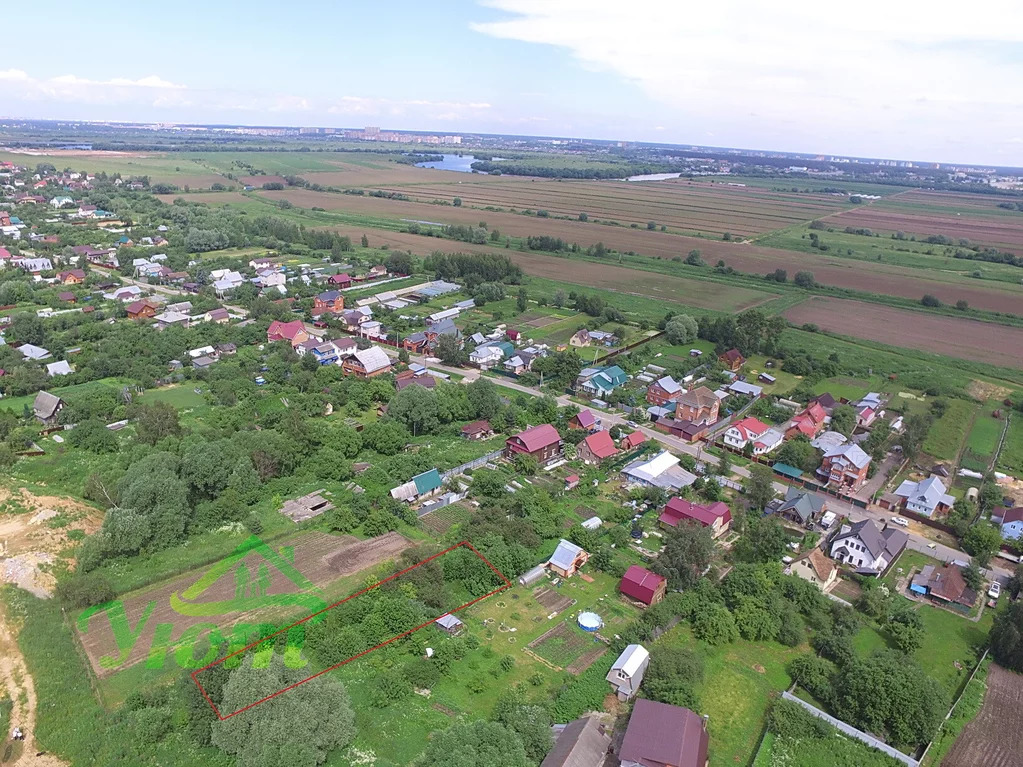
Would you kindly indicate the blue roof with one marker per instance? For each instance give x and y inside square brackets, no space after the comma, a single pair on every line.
[427,482]
[788,471]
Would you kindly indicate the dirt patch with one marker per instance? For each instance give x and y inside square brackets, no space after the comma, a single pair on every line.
[444,710]
[982,390]
[585,661]
[261,586]
[551,600]
[16,683]
[34,536]
[963,338]
[995,737]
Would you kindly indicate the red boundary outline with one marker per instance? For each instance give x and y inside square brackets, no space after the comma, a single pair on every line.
[222,717]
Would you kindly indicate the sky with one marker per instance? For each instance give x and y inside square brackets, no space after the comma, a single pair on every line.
[905,79]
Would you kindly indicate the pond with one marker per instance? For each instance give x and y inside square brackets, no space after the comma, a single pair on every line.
[462,163]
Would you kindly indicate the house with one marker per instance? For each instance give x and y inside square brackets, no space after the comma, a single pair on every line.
[633,440]
[717,516]
[698,405]
[808,423]
[603,337]
[643,585]
[61,368]
[597,447]
[345,347]
[865,416]
[340,280]
[219,316]
[732,360]
[408,378]
[567,559]
[626,675]
[169,317]
[872,400]
[540,442]
[204,362]
[662,735]
[745,389]
[354,318]
[477,430]
[580,338]
[582,743]
[571,482]
[294,332]
[377,271]
[845,467]
[799,506]
[945,585]
[367,363]
[867,548]
[926,497]
[600,381]
[1012,523]
[826,401]
[67,297]
[420,487]
[226,349]
[662,471]
[584,419]
[752,431]
[329,302]
[664,390]
[139,310]
[449,624]
[813,566]
[46,407]
[484,356]
[829,440]
[72,277]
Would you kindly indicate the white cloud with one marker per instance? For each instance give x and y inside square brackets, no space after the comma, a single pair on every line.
[897,76]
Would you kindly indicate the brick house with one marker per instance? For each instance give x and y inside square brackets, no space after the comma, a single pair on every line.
[809,423]
[698,405]
[664,390]
[329,302]
[293,332]
[541,442]
[845,467]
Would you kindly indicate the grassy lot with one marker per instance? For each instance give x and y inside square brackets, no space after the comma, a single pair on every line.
[1011,458]
[983,438]
[948,432]
[739,682]
[837,751]
[18,404]
[966,709]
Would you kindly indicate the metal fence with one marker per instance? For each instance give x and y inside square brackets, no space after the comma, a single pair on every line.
[852,732]
[474,464]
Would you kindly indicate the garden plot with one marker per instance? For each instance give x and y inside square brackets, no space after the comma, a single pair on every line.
[566,647]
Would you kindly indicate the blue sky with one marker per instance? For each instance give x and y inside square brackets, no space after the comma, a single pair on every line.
[909,79]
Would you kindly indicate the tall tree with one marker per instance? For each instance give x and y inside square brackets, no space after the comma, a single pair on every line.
[687,554]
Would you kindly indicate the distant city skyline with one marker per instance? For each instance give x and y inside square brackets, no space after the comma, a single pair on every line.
[905,80]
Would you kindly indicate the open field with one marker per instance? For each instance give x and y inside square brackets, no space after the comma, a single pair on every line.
[319,558]
[946,435]
[884,278]
[968,339]
[679,204]
[983,437]
[995,737]
[1011,458]
[1003,232]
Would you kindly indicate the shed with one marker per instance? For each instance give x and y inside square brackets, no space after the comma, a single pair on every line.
[450,624]
[787,471]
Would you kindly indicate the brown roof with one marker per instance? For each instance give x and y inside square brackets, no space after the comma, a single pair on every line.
[538,437]
[581,744]
[476,427]
[700,397]
[822,566]
[948,583]
[661,735]
[732,355]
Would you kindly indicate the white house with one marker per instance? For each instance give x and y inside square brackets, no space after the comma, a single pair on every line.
[865,547]
[486,356]
[662,470]
[1011,523]
[626,675]
[751,430]
[925,497]
[60,202]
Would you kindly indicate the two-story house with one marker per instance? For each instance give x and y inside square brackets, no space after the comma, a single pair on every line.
[866,547]
[845,467]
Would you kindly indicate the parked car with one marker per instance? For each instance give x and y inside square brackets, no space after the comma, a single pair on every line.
[900,521]
[995,590]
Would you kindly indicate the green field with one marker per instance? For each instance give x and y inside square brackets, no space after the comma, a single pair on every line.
[837,751]
[966,709]
[982,440]
[948,432]
[1011,458]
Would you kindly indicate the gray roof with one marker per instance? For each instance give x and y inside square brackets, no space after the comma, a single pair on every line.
[448,621]
[669,384]
[851,452]
[804,504]
[581,744]
[45,404]
[565,554]
[33,352]
[868,533]
[929,492]
[445,327]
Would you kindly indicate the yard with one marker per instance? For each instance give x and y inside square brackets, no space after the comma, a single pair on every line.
[1011,458]
[946,436]
[982,440]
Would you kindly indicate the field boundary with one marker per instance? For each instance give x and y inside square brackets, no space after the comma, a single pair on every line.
[466,544]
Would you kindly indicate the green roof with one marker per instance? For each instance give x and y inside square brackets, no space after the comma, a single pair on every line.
[427,482]
[506,348]
[788,471]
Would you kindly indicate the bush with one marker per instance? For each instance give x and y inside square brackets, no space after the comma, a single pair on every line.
[790,720]
[86,590]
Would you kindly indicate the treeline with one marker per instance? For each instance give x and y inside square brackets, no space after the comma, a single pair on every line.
[561,171]
[473,268]
[416,158]
[752,332]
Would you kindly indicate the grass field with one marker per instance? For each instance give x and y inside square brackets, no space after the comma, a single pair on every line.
[967,708]
[836,751]
[946,436]
[1010,459]
[983,438]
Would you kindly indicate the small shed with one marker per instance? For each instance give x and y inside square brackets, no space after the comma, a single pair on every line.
[449,624]
[789,472]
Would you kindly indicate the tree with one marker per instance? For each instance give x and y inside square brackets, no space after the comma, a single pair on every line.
[1007,637]
[531,723]
[714,625]
[981,542]
[155,422]
[673,675]
[299,729]
[680,329]
[962,305]
[483,398]
[805,279]
[724,464]
[800,453]
[843,419]
[386,437]
[688,550]
[694,258]
[476,744]
[813,674]
[416,408]
[930,301]
[521,300]
[449,352]
[760,486]
[365,241]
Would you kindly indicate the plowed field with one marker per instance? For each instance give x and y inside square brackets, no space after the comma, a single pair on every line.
[995,737]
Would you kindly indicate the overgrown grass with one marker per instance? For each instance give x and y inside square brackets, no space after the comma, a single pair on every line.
[836,751]
[1010,459]
[948,432]
[967,708]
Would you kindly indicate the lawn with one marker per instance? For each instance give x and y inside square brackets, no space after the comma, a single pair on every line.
[739,683]
[982,440]
[837,751]
[1011,458]
[948,432]
[18,404]
[843,387]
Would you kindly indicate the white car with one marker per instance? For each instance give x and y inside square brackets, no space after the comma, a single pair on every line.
[900,521]
[995,590]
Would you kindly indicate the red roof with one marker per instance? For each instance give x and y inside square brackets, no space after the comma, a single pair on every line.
[804,426]
[816,412]
[339,279]
[512,334]
[279,331]
[1012,515]
[750,428]
[639,583]
[678,509]
[601,444]
[538,437]
[634,440]
[585,418]
[476,427]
